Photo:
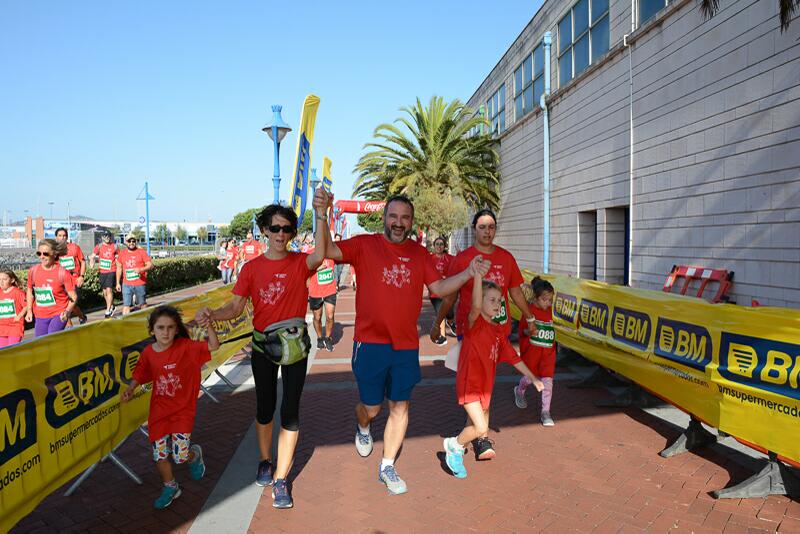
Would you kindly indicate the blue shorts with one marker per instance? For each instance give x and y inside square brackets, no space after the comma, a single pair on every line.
[383,372]
[129,291]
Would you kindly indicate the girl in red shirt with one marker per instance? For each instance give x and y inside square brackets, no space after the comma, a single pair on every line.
[12,309]
[539,349]
[173,365]
[51,291]
[484,344]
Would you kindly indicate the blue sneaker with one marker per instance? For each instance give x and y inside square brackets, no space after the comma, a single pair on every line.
[394,483]
[197,468]
[281,498]
[264,475]
[168,494]
[454,457]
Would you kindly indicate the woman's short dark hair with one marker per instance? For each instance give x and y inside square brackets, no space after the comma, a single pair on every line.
[264,219]
[481,213]
[172,313]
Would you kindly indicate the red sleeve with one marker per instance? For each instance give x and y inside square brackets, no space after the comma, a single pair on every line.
[79,254]
[201,352]
[146,258]
[69,284]
[516,275]
[142,372]
[455,266]
[507,353]
[431,274]
[242,287]
[96,250]
[20,298]
[30,278]
[351,249]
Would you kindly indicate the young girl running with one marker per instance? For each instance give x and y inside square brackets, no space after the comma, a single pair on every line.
[173,365]
[12,309]
[483,346]
[538,350]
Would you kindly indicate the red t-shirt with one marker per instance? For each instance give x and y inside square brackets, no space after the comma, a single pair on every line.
[11,303]
[442,266]
[175,374]
[72,260]
[277,288]
[322,283]
[108,257]
[49,290]
[230,257]
[483,346]
[545,316]
[390,283]
[504,272]
[130,260]
[252,249]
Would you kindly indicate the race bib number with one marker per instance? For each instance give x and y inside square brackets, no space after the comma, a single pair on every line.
[545,335]
[67,262]
[7,309]
[131,275]
[502,317]
[325,277]
[249,249]
[105,264]
[44,296]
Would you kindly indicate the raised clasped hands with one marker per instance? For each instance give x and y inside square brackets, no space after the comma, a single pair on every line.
[203,317]
[322,201]
[479,266]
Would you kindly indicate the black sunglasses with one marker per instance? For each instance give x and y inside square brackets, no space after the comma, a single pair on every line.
[45,254]
[275,228]
[131,241]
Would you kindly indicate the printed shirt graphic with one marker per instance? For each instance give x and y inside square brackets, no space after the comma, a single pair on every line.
[483,347]
[130,260]
[230,257]
[390,283]
[107,254]
[322,283]
[49,290]
[73,260]
[277,288]
[504,272]
[442,267]
[175,374]
[545,340]
[252,249]
[11,303]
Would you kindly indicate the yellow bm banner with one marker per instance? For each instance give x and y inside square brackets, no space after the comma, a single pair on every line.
[735,368]
[59,399]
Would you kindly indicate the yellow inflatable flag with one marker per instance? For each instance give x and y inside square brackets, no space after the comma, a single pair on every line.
[303,159]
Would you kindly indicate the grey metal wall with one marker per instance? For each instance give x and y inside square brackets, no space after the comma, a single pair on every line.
[716,154]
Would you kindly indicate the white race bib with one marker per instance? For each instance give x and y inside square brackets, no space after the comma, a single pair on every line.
[67,262]
[7,309]
[105,264]
[44,296]
[131,275]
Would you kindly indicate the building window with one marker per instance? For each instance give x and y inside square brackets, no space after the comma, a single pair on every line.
[477,130]
[582,38]
[648,8]
[529,83]
[496,110]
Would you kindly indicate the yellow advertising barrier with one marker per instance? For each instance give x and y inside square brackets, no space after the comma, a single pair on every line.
[59,399]
[735,368]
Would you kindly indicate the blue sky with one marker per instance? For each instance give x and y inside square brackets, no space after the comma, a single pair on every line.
[98,97]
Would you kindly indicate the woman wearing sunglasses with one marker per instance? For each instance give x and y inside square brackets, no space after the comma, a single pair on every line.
[275,283]
[51,291]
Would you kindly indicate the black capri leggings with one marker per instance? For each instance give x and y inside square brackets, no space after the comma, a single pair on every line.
[265,374]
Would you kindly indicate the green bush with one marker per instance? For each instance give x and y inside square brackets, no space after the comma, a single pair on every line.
[166,275]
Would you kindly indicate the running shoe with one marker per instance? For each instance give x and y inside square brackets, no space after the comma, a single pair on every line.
[454,457]
[168,494]
[320,343]
[484,449]
[329,344]
[363,443]
[451,326]
[83,320]
[519,398]
[107,314]
[197,468]
[441,340]
[112,310]
[281,498]
[547,420]
[394,483]
[264,475]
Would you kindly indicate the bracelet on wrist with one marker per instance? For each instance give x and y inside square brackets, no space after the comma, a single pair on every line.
[530,319]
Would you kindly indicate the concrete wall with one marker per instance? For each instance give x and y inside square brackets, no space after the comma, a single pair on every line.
[716,150]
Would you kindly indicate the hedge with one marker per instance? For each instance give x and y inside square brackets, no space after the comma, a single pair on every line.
[166,275]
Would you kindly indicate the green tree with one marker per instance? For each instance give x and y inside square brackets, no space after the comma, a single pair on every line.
[242,223]
[202,234]
[428,148]
[439,212]
[162,233]
[371,222]
[307,226]
[181,233]
[138,232]
[223,231]
[787,9]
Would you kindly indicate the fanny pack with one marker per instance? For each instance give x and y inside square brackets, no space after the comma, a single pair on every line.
[283,343]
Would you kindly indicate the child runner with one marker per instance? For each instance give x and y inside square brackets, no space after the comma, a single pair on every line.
[51,291]
[106,254]
[12,309]
[538,351]
[173,365]
[484,344]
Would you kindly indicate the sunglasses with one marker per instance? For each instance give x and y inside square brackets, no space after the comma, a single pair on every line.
[45,254]
[131,241]
[275,228]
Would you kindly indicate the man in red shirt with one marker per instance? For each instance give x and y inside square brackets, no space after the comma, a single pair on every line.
[392,271]
[322,292]
[132,266]
[106,254]
[250,250]
[75,264]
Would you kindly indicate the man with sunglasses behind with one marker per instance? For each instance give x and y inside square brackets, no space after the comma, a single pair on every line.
[132,266]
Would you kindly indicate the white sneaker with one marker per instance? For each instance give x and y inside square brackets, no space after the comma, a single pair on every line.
[519,399]
[363,443]
[547,420]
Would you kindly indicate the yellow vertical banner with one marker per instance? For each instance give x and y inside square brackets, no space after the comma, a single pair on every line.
[302,164]
[327,182]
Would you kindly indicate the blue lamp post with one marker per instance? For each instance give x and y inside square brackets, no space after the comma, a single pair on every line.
[314,184]
[276,131]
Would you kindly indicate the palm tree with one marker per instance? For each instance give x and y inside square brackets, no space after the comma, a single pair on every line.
[428,148]
[787,8]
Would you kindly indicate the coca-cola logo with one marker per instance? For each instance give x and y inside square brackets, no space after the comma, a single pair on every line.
[373,206]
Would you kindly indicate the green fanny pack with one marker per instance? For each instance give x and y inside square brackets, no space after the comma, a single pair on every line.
[283,343]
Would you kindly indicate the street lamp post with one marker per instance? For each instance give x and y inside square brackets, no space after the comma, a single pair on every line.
[276,131]
[314,184]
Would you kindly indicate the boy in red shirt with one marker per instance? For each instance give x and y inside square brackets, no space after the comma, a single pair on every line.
[75,264]
[106,254]
[132,266]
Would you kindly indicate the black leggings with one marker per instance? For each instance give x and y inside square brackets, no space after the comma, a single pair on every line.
[265,374]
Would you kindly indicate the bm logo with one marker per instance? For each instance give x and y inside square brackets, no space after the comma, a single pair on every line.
[130,357]
[566,307]
[631,327]
[683,343]
[17,423]
[594,316]
[78,389]
[761,363]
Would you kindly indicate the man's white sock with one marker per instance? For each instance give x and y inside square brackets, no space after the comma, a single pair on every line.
[363,430]
[385,462]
